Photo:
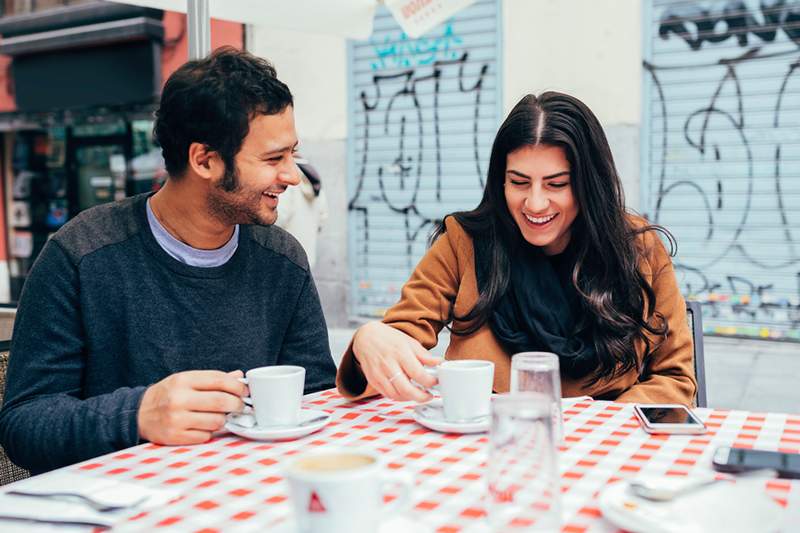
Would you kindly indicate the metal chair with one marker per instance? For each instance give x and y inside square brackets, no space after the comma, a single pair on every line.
[694,315]
[9,472]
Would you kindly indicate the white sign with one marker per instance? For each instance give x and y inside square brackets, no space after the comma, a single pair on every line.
[418,16]
[21,244]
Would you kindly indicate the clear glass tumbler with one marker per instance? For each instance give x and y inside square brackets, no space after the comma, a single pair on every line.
[539,372]
[524,483]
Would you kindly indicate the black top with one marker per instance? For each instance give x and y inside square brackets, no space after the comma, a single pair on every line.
[106,312]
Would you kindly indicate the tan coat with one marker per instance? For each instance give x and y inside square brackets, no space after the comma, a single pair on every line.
[447,273]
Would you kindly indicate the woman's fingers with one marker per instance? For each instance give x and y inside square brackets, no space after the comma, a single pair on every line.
[414,370]
[390,359]
[407,391]
[380,378]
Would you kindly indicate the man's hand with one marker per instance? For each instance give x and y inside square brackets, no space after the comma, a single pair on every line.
[390,359]
[187,407]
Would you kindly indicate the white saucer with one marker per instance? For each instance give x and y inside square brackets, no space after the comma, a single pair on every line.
[391,524]
[281,432]
[433,418]
[741,507]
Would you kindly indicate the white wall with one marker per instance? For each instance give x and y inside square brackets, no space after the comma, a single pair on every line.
[315,69]
[590,49]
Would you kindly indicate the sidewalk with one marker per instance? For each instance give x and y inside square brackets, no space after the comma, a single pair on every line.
[753,375]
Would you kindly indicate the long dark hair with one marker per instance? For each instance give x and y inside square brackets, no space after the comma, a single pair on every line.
[612,291]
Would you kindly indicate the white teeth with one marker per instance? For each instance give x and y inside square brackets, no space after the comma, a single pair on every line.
[540,220]
[271,194]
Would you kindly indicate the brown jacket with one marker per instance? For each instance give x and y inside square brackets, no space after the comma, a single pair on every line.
[447,273]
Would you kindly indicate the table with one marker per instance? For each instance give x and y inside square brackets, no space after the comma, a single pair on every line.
[233,484]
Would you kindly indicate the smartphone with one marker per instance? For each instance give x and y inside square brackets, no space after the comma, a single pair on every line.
[668,418]
[735,460]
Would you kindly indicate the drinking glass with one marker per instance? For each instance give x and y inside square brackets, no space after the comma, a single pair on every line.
[539,372]
[524,484]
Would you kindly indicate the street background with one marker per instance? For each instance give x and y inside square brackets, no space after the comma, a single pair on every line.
[698,99]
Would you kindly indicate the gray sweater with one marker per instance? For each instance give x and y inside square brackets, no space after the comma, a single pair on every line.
[107,312]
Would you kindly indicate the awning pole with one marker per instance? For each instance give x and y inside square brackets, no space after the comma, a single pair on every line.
[198,21]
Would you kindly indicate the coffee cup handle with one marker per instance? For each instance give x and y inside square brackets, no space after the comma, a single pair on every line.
[402,483]
[246,399]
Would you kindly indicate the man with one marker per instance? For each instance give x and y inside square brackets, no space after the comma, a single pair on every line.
[138,315]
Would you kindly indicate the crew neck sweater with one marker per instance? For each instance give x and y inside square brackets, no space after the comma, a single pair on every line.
[106,312]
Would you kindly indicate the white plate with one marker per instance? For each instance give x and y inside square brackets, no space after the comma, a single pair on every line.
[282,432]
[437,421]
[741,507]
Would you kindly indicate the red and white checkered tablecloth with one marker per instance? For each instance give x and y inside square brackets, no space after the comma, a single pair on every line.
[234,484]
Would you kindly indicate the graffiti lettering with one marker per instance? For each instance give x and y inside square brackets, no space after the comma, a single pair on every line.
[720,181]
[399,51]
[406,106]
[717,22]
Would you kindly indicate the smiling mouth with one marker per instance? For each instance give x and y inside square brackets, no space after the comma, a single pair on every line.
[540,221]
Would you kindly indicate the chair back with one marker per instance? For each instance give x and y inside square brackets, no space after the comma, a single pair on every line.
[9,472]
[694,315]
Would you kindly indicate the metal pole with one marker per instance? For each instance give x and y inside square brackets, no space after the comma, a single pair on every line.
[198,21]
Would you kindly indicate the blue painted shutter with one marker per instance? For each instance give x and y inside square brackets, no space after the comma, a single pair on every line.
[721,150]
[423,114]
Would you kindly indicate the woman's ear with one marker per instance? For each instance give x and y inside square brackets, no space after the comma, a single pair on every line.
[204,162]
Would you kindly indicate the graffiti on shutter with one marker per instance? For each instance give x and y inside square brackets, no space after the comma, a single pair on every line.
[423,114]
[723,157]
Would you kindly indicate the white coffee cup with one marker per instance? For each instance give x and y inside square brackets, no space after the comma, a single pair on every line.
[276,394]
[466,388]
[342,491]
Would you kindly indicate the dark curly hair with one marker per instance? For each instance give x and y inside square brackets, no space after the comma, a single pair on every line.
[212,101]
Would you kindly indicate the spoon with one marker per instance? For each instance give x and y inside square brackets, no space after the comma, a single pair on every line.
[95,504]
[663,489]
[304,423]
[432,412]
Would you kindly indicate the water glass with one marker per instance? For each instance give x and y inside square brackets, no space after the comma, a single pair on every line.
[539,372]
[524,484]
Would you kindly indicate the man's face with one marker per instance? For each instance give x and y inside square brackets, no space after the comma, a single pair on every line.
[264,168]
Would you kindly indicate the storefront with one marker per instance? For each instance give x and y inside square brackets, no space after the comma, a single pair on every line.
[84,79]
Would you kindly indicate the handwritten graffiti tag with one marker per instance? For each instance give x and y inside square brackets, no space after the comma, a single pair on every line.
[400,51]
[732,162]
[406,107]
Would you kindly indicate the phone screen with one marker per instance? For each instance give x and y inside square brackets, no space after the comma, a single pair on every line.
[669,415]
[755,459]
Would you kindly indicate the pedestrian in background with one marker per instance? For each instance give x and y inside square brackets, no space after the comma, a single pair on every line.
[304,209]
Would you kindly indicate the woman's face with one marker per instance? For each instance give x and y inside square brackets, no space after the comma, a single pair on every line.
[539,196]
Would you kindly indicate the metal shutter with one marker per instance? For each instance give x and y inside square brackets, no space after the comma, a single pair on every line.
[422,117]
[721,156]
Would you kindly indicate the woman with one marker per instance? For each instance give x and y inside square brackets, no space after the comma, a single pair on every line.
[549,260]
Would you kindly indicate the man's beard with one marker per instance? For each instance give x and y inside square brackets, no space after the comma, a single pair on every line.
[231,204]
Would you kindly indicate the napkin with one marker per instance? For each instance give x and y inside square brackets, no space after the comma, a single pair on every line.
[132,498]
[725,507]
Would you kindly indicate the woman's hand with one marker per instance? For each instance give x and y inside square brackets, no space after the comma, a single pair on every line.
[390,359]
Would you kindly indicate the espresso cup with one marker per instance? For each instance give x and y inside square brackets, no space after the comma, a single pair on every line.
[465,386]
[276,394]
[342,491]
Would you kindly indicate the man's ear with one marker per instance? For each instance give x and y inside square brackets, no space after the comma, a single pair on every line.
[204,162]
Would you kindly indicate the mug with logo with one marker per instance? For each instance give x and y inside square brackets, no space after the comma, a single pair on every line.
[343,491]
